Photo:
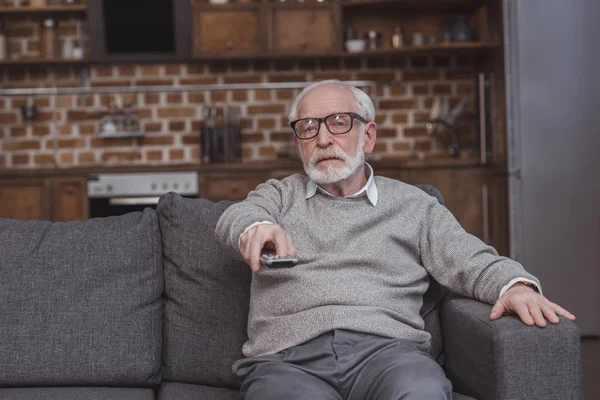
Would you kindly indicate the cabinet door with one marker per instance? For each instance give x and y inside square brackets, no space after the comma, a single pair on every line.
[227,31]
[466,194]
[229,187]
[24,200]
[70,202]
[304,29]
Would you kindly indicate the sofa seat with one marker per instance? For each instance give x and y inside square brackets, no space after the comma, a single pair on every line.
[76,393]
[188,391]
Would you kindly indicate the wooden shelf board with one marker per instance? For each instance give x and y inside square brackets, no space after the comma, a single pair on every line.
[42,62]
[44,10]
[415,4]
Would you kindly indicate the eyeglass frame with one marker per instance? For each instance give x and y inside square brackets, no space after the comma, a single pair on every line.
[323,120]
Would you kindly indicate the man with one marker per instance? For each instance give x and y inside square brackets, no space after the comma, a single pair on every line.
[344,323]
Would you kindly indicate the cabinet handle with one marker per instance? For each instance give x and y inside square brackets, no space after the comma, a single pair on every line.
[229,45]
[486,214]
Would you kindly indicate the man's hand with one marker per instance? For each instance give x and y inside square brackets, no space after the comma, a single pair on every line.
[529,305]
[270,236]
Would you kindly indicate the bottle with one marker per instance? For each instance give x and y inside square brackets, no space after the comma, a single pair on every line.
[418,38]
[77,50]
[49,39]
[67,48]
[397,39]
[2,42]
[461,31]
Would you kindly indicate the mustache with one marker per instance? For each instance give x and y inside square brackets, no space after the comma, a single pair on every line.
[330,152]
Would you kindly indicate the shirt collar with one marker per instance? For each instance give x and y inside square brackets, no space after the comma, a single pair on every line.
[370,187]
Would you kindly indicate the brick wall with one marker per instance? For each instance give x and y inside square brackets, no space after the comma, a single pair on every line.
[172,121]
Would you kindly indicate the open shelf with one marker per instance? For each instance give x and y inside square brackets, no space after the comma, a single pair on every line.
[78,8]
[432,5]
[33,62]
[427,49]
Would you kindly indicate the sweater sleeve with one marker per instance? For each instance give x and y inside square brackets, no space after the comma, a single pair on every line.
[262,204]
[461,261]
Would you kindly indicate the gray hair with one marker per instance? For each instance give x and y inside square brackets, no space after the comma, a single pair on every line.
[365,105]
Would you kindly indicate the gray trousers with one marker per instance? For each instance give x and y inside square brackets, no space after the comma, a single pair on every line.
[345,365]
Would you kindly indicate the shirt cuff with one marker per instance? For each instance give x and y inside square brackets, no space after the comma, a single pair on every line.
[517,280]
[248,228]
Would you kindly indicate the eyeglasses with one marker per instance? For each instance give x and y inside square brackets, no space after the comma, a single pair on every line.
[337,124]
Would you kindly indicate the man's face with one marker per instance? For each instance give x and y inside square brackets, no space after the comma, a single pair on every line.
[330,158]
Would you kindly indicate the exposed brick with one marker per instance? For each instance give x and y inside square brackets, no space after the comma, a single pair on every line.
[239,95]
[266,109]
[342,76]
[387,132]
[64,101]
[379,76]
[197,125]
[380,118]
[121,156]
[154,155]
[20,159]
[103,72]
[420,75]
[284,94]
[267,151]
[421,117]
[400,119]
[190,139]
[239,65]
[243,79]
[400,146]
[86,157]
[3,160]
[154,82]
[174,98]
[33,46]
[153,127]
[115,83]
[396,104]
[152,98]
[195,153]
[179,112]
[283,65]
[398,90]
[264,123]
[217,66]
[67,158]
[209,80]
[14,31]
[262,95]
[284,137]
[13,145]
[126,71]
[286,78]
[248,137]
[15,47]
[43,159]
[150,71]
[67,143]
[176,126]
[418,90]
[218,96]
[247,153]
[380,147]
[442,89]
[112,142]
[156,141]
[465,89]
[196,98]
[423,145]
[41,130]
[247,124]
[8,118]
[38,74]
[87,129]
[459,74]
[412,132]
[78,115]
[176,154]
[17,131]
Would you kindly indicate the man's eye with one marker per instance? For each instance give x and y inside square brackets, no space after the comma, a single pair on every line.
[309,129]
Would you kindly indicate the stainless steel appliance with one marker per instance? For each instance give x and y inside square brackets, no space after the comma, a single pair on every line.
[117,194]
[553,100]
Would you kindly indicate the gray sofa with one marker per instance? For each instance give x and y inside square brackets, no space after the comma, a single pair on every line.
[147,306]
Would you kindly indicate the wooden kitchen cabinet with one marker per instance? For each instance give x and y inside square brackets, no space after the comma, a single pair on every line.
[69,199]
[214,33]
[229,186]
[299,28]
[25,200]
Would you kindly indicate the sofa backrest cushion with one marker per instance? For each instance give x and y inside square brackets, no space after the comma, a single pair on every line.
[206,295]
[80,302]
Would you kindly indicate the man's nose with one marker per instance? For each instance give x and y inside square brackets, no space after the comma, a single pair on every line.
[324,137]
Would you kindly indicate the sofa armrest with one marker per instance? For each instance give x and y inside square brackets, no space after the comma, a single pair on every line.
[506,359]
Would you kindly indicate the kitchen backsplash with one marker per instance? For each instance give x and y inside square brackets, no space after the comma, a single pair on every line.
[65,131]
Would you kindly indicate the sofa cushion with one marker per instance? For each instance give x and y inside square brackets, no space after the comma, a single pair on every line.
[180,391]
[80,302]
[206,295]
[77,393]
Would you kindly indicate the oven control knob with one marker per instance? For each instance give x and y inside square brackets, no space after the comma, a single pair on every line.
[165,186]
[153,186]
[187,185]
[176,186]
[109,188]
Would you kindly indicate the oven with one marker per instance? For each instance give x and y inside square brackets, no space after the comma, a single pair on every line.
[118,194]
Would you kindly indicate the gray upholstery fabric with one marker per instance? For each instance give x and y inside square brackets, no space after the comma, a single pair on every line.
[80,302]
[206,295]
[458,396]
[506,359]
[185,391]
[76,393]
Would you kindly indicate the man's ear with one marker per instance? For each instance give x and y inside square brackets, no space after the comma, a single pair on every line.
[370,137]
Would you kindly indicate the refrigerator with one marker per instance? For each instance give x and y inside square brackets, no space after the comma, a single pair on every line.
[552,72]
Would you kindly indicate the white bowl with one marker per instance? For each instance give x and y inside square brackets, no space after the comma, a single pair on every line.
[355,45]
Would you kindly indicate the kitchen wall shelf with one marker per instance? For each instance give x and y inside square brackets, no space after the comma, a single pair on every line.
[416,4]
[74,9]
[447,48]
[43,62]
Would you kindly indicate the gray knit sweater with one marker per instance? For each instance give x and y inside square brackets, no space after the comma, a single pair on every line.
[361,267]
